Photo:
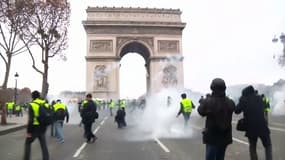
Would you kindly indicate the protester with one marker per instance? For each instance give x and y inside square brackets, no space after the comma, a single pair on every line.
[111,107]
[34,128]
[88,115]
[120,118]
[186,106]
[253,108]
[61,113]
[218,110]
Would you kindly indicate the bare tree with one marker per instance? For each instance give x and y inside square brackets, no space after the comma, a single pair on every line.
[48,26]
[12,15]
[12,18]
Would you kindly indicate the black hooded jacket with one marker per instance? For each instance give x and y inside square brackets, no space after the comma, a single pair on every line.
[218,110]
[253,107]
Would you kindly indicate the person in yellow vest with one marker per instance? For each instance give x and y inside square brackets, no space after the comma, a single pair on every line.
[18,110]
[123,104]
[10,108]
[61,113]
[123,107]
[186,106]
[34,128]
[111,107]
[267,108]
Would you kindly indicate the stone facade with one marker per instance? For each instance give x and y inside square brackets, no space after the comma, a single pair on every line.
[156,34]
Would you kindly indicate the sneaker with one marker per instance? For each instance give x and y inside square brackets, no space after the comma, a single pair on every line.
[62,141]
[92,140]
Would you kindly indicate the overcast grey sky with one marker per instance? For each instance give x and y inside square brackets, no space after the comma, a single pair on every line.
[230,39]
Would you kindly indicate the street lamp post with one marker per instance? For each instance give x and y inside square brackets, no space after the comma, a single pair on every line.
[16,78]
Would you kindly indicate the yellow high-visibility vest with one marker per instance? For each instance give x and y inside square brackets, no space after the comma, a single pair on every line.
[58,106]
[187,105]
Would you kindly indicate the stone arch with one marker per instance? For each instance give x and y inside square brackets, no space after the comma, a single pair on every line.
[155,34]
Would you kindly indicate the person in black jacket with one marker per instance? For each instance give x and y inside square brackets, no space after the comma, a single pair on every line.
[218,110]
[35,129]
[253,108]
[120,118]
[88,115]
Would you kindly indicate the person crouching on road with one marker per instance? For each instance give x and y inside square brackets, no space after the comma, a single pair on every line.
[61,112]
[88,115]
[34,128]
[120,118]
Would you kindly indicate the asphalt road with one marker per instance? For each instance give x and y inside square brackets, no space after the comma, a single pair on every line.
[138,141]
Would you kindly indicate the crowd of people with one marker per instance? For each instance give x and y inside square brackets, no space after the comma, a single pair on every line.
[216,107]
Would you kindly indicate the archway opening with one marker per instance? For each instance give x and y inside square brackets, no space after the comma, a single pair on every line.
[133,76]
[134,70]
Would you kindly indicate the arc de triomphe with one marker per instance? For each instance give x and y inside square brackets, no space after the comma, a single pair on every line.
[155,34]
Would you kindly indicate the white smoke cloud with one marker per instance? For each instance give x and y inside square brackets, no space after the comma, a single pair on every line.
[279,99]
[158,120]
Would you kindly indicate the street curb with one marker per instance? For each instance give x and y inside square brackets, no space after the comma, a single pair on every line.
[13,129]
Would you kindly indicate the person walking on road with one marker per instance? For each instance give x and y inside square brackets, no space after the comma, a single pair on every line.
[253,108]
[186,106]
[88,114]
[61,112]
[10,108]
[218,110]
[267,108]
[34,128]
[111,107]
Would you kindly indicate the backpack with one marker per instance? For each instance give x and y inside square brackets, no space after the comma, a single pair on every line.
[45,117]
[60,114]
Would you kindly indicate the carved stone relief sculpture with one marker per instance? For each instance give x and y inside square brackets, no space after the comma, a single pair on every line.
[100,77]
[169,78]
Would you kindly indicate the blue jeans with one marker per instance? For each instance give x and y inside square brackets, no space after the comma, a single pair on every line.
[59,130]
[215,152]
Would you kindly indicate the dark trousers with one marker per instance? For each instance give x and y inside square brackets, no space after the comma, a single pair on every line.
[88,131]
[37,133]
[266,142]
[186,118]
[215,152]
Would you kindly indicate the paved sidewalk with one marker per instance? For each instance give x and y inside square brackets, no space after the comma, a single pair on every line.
[14,124]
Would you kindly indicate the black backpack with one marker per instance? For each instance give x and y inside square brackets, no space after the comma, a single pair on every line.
[46,116]
[60,114]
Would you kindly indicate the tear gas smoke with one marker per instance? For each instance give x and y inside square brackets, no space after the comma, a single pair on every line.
[279,101]
[158,119]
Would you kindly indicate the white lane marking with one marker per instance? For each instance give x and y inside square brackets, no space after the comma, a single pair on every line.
[278,124]
[105,118]
[240,141]
[235,139]
[78,151]
[76,154]
[96,130]
[277,129]
[162,145]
